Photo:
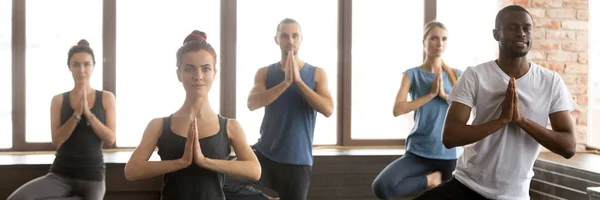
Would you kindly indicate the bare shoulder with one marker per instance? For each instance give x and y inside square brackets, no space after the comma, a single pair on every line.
[57,98]
[320,73]
[107,95]
[234,128]
[154,127]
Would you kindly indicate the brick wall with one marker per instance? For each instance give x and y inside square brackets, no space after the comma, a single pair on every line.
[561,44]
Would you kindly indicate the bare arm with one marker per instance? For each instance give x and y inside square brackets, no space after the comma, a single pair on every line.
[456,131]
[105,132]
[401,106]
[259,95]
[60,134]
[560,140]
[320,99]
[138,167]
[246,166]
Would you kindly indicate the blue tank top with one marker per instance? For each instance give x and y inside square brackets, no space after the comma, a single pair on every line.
[287,129]
[425,139]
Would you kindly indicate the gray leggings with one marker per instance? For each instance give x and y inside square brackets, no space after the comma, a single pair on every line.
[55,187]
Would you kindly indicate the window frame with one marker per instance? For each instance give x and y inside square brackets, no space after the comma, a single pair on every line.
[228,35]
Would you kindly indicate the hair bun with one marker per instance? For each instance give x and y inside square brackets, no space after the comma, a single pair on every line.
[196,35]
[83,42]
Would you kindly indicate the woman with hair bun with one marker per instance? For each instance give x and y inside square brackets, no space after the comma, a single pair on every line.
[81,121]
[194,142]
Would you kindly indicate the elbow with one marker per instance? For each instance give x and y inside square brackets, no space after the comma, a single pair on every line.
[447,140]
[256,172]
[55,142]
[448,144]
[251,105]
[398,110]
[568,154]
[396,113]
[130,173]
[570,151]
[110,141]
[328,112]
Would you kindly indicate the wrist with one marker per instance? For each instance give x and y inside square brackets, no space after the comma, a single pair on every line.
[77,117]
[432,95]
[90,116]
[203,162]
[520,122]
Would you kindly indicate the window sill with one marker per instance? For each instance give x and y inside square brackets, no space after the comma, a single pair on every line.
[121,156]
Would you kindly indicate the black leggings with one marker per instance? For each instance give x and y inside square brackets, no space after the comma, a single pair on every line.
[291,182]
[407,175]
[451,190]
[55,187]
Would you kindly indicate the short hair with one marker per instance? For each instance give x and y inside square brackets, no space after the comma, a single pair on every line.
[507,9]
[287,21]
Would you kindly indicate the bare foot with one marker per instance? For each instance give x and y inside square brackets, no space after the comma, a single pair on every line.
[434,179]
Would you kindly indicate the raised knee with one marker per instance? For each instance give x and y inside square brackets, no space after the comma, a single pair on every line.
[20,196]
[379,187]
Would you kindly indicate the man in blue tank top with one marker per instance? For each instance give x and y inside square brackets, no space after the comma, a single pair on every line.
[292,92]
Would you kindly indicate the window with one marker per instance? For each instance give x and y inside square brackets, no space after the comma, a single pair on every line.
[464,37]
[5,74]
[380,54]
[50,34]
[594,81]
[256,48]
[147,40]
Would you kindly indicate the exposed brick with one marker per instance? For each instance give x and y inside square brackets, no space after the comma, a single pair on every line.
[583,14]
[583,120]
[576,69]
[524,3]
[569,79]
[553,66]
[583,58]
[561,13]
[539,34]
[547,3]
[582,100]
[581,133]
[575,113]
[560,35]
[579,4]
[504,3]
[537,12]
[547,23]
[575,46]
[577,89]
[536,55]
[561,56]
[582,36]
[546,45]
[582,79]
[575,25]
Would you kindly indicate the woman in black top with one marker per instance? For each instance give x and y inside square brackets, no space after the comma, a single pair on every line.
[194,142]
[81,121]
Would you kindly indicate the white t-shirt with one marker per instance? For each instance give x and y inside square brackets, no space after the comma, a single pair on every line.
[500,165]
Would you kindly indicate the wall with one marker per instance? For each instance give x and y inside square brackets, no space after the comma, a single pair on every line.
[561,44]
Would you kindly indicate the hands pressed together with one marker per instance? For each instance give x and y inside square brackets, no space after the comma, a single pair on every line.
[193,152]
[292,72]
[437,85]
[510,105]
[84,109]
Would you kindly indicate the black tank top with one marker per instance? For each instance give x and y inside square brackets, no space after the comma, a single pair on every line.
[80,156]
[193,182]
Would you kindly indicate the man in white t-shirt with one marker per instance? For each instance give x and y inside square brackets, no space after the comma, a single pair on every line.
[512,100]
